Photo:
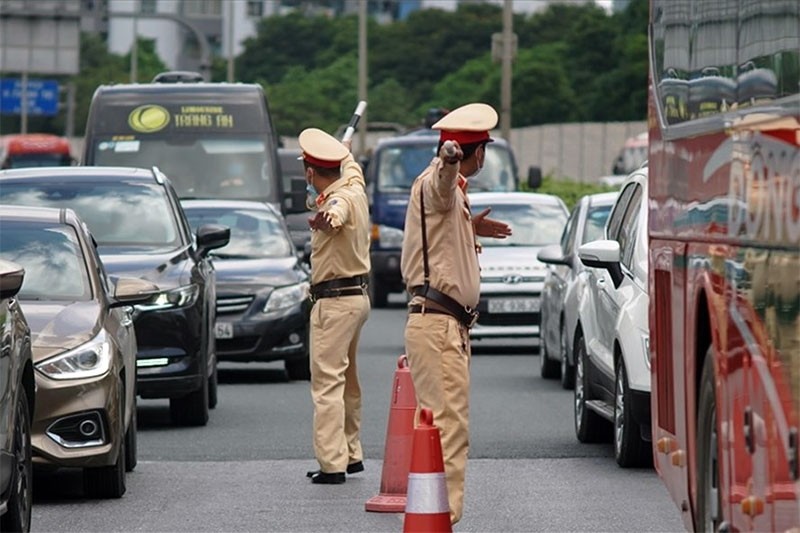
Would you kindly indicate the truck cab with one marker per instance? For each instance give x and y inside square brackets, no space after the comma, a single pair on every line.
[391,170]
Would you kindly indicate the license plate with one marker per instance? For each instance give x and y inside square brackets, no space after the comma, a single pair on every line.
[223,330]
[513,305]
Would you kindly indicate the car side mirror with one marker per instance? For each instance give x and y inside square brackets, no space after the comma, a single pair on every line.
[552,255]
[129,291]
[212,236]
[11,281]
[295,201]
[603,254]
[534,177]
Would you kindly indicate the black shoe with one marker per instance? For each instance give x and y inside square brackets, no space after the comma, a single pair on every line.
[355,468]
[337,478]
[352,468]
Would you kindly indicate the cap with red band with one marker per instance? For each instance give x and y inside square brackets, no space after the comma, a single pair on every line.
[467,124]
[321,149]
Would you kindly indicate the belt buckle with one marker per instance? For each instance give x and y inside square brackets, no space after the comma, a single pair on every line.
[473,316]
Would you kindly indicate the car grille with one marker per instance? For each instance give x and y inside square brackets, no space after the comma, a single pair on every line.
[237,344]
[227,305]
[511,279]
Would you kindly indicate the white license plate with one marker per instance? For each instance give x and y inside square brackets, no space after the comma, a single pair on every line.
[223,330]
[513,305]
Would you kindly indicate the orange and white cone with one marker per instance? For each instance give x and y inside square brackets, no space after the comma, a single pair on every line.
[427,507]
[399,436]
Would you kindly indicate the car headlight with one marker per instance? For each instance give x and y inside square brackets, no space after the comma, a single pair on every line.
[389,237]
[181,297]
[86,361]
[284,297]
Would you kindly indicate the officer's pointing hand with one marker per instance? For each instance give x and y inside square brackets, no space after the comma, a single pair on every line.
[486,227]
[451,152]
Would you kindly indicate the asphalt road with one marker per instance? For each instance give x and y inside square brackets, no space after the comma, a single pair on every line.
[245,471]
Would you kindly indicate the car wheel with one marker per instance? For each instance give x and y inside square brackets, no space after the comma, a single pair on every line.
[213,384]
[298,369]
[548,368]
[130,441]
[629,448]
[192,409]
[108,481]
[588,424]
[378,294]
[707,513]
[567,370]
[20,501]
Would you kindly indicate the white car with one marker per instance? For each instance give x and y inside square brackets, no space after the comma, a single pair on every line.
[563,285]
[511,276]
[612,356]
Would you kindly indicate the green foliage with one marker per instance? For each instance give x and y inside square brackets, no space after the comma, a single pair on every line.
[569,191]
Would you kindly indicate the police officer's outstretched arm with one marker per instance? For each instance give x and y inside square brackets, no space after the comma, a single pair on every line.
[442,187]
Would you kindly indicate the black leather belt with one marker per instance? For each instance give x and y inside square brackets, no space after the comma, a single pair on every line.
[334,288]
[464,314]
[415,309]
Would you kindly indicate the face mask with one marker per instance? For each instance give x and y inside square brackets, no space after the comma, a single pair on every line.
[311,196]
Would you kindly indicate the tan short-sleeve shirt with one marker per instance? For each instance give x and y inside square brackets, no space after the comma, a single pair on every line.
[452,255]
[343,251]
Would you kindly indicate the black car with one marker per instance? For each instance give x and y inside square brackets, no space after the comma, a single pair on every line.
[141,231]
[16,404]
[262,286]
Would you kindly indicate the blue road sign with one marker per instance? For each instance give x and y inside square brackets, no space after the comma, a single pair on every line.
[42,96]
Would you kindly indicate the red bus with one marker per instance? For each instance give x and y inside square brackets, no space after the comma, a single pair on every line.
[724,227]
[34,150]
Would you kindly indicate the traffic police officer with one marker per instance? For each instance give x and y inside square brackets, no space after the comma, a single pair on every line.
[440,268]
[339,273]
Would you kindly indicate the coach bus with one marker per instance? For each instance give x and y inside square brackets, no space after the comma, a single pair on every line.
[724,186]
[213,140]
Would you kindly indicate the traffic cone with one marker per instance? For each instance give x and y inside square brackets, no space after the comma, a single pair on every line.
[427,508]
[397,452]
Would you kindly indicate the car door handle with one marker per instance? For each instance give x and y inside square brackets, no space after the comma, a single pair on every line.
[601,282]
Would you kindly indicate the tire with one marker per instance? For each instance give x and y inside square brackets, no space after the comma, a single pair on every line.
[131,441]
[20,501]
[192,409]
[298,369]
[567,370]
[108,481]
[707,511]
[213,385]
[548,368]
[378,294]
[589,426]
[629,448]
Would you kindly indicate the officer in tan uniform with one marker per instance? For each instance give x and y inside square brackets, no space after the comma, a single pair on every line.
[440,268]
[339,273]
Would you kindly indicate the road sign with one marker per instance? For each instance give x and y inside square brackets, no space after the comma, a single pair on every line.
[42,96]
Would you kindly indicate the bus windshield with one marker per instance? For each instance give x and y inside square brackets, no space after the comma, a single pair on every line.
[235,167]
[398,166]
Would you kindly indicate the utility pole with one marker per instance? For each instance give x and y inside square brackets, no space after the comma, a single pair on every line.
[362,73]
[135,51]
[230,41]
[505,76]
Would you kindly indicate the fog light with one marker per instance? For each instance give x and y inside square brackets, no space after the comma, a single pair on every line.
[79,430]
[88,428]
[294,338]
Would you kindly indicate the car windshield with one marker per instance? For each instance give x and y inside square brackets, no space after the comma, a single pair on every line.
[51,255]
[254,233]
[595,223]
[212,167]
[531,224]
[398,167]
[122,213]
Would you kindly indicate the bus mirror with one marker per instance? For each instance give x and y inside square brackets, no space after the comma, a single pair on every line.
[534,177]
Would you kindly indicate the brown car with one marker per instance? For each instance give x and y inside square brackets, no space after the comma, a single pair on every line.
[84,346]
